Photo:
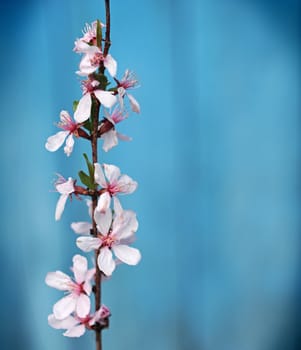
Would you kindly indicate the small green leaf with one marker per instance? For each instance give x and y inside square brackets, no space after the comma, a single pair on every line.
[75,104]
[86,180]
[88,125]
[98,34]
[90,167]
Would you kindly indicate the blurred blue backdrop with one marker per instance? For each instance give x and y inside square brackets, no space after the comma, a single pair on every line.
[216,152]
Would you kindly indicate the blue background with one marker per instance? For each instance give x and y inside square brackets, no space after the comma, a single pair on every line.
[216,152]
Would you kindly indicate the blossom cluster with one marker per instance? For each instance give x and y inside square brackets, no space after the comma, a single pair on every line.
[112,229]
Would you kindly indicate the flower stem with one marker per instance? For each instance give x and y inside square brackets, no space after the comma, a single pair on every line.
[94,140]
[97,289]
[108,28]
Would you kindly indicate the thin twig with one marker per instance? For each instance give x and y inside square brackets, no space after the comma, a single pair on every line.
[94,140]
[108,28]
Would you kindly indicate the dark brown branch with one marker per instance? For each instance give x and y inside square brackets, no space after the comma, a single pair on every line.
[94,138]
[108,28]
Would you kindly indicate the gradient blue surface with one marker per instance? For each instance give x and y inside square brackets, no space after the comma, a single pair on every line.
[216,152]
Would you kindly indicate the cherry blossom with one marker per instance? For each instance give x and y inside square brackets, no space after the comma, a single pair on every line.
[70,128]
[89,36]
[76,326]
[128,81]
[65,188]
[108,132]
[92,59]
[114,235]
[79,289]
[112,182]
[89,87]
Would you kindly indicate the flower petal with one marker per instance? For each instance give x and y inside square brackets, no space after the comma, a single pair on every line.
[134,104]
[54,142]
[66,323]
[125,224]
[69,145]
[65,187]
[80,46]
[58,280]
[123,137]
[83,109]
[60,206]
[64,307]
[103,220]
[111,65]
[126,184]
[85,66]
[81,227]
[83,305]
[75,332]
[105,261]
[106,98]
[87,285]
[117,206]
[87,244]
[121,93]
[99,175]
[128,255]
[112,172]
[110,140]
[103,202]
[80,268]
[100,314]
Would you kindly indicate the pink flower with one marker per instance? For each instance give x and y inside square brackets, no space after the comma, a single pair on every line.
[76,326]
[128,81]
[65,188]
[79,289]
[112,182]
[70,128]
[110,137]
[89,36]
[114,236]
[92,59]
[83,109]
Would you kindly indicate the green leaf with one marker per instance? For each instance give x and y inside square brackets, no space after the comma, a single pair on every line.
[75,104]
[90,167]
[86,180]
[88,125]
[98,34]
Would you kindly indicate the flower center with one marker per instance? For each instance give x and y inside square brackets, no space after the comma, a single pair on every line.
[78,288]
[67,124]
[113,188]
[84,320]
[96,59]
[108,241]
[89,85]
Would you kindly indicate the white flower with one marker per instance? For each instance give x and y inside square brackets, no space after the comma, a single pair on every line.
[83,109]
[70,128]
[79,289]
[114,236]
[112,182]
[65,188]
[92,59]
[89,36]
[128,81]
[76,326]
[109,135]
